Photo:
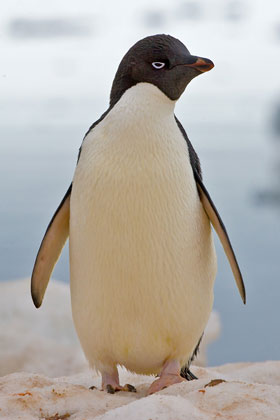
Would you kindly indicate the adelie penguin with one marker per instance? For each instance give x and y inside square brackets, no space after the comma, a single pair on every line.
[138,217]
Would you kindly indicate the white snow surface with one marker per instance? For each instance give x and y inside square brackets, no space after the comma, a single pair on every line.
[38,345]
[38,340]
[250,391]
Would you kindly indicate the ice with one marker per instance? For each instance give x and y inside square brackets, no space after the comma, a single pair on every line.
[38,340]
[250,391]
[51,380]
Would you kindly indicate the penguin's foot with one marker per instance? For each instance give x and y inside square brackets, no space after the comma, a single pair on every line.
[169,375]
[111,384]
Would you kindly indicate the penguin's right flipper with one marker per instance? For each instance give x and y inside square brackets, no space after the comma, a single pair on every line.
[51,246]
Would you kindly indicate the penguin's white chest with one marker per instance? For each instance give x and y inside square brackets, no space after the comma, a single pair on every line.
[142,259]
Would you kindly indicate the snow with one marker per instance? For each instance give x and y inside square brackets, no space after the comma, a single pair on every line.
[39,341]
[46,376]
[250,391]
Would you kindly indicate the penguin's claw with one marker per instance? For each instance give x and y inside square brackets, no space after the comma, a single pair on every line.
[113,389]
[129,388]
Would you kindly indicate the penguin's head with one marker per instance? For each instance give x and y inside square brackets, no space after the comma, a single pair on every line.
[161,60]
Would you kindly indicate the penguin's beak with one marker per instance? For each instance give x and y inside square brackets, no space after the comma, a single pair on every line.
[199,63]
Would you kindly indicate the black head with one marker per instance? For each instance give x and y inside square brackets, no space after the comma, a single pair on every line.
[161,60]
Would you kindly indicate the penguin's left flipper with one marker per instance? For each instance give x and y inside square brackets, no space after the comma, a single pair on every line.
[220,229]
[51,246]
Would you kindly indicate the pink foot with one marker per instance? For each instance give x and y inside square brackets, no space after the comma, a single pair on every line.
[111,384]
[169,375]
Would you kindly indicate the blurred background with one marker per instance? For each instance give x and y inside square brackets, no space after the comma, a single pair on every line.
[58,60]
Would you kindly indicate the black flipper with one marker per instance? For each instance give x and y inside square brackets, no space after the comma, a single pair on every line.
[213,215]
[51,246]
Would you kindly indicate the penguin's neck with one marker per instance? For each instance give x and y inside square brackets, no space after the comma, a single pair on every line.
[140,123]
[144,102]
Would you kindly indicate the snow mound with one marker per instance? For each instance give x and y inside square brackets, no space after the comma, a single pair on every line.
[38,340]
[248,391]
[44,340]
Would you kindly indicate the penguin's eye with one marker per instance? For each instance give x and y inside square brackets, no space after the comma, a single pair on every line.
[158,65]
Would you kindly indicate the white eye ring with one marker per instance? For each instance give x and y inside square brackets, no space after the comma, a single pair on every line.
[158,65]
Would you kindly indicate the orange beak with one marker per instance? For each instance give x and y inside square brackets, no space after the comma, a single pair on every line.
[201,64]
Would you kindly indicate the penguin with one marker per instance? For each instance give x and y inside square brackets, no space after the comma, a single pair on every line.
[138,217]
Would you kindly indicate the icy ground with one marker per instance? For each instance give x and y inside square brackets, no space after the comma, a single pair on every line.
[40,345]
[250,391]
